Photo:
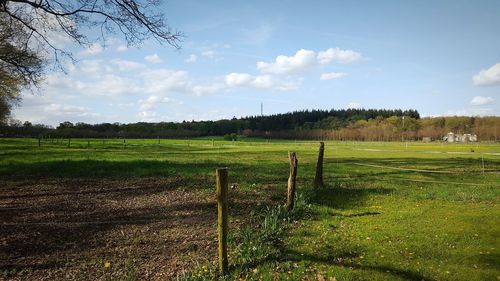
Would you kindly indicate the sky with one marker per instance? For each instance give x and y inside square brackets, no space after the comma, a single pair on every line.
[439,57]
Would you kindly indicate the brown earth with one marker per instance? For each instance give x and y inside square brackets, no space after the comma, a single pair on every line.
[149,228]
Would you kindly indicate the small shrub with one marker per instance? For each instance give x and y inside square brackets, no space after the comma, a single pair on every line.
[231,137]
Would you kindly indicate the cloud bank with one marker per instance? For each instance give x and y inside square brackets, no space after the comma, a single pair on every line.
[488,77]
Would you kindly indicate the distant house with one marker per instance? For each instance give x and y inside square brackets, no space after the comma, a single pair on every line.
[452,137]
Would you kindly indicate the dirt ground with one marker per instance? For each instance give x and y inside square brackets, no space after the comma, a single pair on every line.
[149,228]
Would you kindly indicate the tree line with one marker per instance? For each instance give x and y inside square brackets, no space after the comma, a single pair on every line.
[342,124]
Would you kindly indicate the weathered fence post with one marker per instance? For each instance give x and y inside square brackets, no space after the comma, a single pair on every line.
[318,179]
[158,137]
[482,162]
[213,144]
[291,180]
[69,142]
[39,139]
[222,223]
[88,143]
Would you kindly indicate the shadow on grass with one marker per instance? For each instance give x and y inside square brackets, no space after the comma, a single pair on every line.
[455,165]
[489,259]
[345,198]
[338,259]
[107,168]
[363,214]
[141,168]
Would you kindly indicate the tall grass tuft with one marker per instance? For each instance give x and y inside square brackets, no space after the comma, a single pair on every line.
[258,242]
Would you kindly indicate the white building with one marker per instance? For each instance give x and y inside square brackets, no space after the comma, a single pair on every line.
[452,137]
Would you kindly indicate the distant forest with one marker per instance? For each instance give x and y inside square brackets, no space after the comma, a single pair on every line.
[342,124]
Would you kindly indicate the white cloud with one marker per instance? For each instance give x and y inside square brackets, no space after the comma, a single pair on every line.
[154,58]
[214,114]
[148,106]
[260,82]
[126,65]
[121,48]
[67,110]
[93,50]
[202,90]
[208,54]
[301,61]
[106,82]
[338,55]
[239,79]
[263,82]
[479,101]
[488,77]
[475,111]
[151,102]
[332,75]
[306,59]
[54,113]
[192,58]
[148,116]
[54,81]
[94,67]
[111,85]
[353,105]
[165,80]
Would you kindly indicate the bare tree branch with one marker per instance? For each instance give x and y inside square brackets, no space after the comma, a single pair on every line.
[26,27]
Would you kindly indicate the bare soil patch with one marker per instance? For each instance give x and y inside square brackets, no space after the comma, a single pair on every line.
[147,228]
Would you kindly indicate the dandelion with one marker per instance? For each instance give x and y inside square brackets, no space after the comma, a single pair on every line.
[107,264]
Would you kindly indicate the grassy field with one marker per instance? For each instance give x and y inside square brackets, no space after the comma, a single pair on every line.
[389,211]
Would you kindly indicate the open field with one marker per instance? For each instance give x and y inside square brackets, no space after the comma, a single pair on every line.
[389,211]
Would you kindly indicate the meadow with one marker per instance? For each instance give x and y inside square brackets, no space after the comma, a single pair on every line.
[145,209]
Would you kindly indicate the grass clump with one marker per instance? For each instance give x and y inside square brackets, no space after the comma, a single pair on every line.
[252,245]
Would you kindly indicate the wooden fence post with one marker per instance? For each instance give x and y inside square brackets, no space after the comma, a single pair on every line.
[482,162]
[39,144]
[69,142]
[222,223]
[158,140]
[318,179]
[291,180]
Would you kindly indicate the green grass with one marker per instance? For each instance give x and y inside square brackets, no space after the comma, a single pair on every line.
[390,211]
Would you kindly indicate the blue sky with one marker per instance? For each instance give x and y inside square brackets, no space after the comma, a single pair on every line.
[439,57]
